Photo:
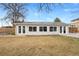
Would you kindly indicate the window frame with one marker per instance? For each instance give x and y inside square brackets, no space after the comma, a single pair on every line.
[32,29]
[40,29]
[23,29]
[19,29]
[53,29]
[43,29]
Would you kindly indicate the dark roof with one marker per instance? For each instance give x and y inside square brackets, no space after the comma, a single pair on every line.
[42,23]
[75,19]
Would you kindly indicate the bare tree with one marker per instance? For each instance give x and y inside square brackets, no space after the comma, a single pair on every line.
[15,12]
[48,7]
[45,7]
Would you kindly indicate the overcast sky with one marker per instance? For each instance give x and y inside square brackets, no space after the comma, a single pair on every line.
[66,12]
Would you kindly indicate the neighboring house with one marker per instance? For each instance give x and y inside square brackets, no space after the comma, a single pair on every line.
[75,21]
[41,28]
[74,26]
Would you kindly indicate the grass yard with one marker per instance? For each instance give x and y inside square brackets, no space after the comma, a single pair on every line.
[38,45]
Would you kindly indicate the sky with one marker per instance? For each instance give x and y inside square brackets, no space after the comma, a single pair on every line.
[65,12]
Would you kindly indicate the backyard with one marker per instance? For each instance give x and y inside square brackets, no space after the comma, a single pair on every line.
[38,45]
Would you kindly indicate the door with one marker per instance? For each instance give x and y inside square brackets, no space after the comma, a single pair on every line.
[60,29]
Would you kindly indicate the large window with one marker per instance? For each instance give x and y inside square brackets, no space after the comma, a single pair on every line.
[43,29]
[53,29]
[30,28]
[33,29]
[19,29]
[23,29]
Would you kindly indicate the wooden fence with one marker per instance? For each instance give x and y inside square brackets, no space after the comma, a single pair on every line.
[73,30]
[7,30]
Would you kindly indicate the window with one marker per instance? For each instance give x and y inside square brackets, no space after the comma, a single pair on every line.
[53,29]
[32,28]
[43,29]
[19,29]
[23,29]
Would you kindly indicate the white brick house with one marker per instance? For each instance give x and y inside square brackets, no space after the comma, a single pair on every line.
[41,28]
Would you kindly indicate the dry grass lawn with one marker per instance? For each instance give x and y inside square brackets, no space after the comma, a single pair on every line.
[38,45]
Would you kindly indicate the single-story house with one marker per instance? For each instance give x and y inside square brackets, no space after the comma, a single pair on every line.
[41,28]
